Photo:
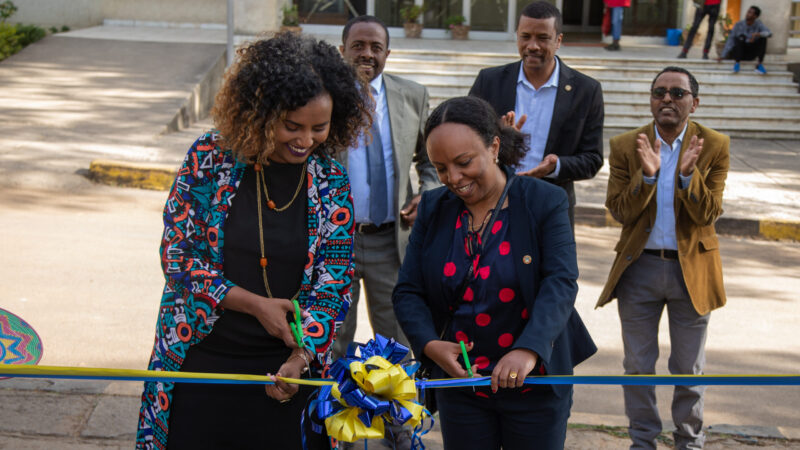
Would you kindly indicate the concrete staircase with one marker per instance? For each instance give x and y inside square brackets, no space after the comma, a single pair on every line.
[746,104]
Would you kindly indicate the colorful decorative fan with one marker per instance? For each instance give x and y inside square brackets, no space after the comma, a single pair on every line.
[19,342]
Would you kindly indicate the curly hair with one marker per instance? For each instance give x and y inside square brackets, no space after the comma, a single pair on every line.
[479,115]
[274,76]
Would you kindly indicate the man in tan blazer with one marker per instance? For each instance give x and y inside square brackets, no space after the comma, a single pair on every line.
[665,187]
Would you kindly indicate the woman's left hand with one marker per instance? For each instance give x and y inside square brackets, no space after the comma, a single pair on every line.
[512,368]
[291,368]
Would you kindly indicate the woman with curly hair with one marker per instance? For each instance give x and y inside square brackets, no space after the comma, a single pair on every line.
[259,214]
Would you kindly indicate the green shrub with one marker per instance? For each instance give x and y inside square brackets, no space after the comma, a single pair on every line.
[9,43]
[28,34]
[7,9]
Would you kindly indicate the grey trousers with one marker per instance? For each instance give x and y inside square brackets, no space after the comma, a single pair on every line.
[378,265]
[649,284]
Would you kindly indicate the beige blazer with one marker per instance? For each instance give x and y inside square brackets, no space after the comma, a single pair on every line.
[633,203]
[408,110]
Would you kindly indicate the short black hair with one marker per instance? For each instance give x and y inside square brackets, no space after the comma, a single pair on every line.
[481,117]
[364,19]
[756,10]
[693,85]
[543,10]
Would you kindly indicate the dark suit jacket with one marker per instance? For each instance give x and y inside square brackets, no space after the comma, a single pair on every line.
[576,131]
[540,229]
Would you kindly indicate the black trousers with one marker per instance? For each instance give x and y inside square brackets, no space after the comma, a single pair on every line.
[531,417]
[228,416]
[712,11]
[748,51]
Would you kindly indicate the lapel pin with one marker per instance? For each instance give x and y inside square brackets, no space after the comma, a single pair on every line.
[527,259]
[568,87]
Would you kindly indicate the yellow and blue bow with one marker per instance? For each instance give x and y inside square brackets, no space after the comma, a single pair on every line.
[372,389]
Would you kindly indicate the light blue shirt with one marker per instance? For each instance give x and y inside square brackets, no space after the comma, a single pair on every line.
[538,105]
[662,236]
[357,159]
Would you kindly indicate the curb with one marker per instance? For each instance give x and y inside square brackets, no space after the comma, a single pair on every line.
[775,230]
[161,176]
[157,177]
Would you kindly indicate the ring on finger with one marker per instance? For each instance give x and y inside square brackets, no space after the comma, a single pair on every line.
[513,375]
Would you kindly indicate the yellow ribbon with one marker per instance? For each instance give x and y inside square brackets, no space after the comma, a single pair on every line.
[135,374]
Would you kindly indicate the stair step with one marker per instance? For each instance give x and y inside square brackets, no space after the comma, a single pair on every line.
[610,81]
[740,105]
[716,98]
[718,122]
[716,73]
[495,59]
[761,111]
[709,87]
[760,132]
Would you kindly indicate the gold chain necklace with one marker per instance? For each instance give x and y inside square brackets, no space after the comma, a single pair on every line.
[271,205]
[483,224]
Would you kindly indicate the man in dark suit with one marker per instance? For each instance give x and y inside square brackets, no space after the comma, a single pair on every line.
[384,201]
[560,108]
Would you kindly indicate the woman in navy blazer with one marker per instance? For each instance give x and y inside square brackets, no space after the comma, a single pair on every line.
[516,311]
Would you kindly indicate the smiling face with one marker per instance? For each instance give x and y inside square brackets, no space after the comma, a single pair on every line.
[537,42]
[465,164]
[302,130]
[671,114]
[366,49]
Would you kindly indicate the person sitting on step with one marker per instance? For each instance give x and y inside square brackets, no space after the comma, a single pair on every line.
[748,41]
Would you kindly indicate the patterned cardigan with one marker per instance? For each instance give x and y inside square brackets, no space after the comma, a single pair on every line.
[191,257]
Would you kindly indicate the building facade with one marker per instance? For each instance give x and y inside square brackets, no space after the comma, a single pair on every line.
[488,19]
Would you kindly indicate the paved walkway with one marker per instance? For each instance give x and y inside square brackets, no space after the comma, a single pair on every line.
[109,92]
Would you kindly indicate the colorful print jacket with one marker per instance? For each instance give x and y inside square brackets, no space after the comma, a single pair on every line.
[191,257]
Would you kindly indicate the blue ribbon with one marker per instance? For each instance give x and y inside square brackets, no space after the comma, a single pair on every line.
[631,380]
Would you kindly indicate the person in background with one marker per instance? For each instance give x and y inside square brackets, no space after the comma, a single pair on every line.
[665,187]
[559,109]
[710,8]
[748,41]
[259,214]
[617,8]
[491,263]
[379,168]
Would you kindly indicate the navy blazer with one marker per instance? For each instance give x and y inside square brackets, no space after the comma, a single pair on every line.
[539,229]
[576,131]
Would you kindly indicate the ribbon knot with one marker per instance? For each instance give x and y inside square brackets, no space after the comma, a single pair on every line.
[373,388]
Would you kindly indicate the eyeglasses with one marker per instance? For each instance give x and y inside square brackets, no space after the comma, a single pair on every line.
[675,93]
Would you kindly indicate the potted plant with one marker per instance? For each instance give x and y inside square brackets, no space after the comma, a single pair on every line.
[726,26]
[410,15]
[291,18]
[456,27]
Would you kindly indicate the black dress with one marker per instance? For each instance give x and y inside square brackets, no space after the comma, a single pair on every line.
[216,416]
